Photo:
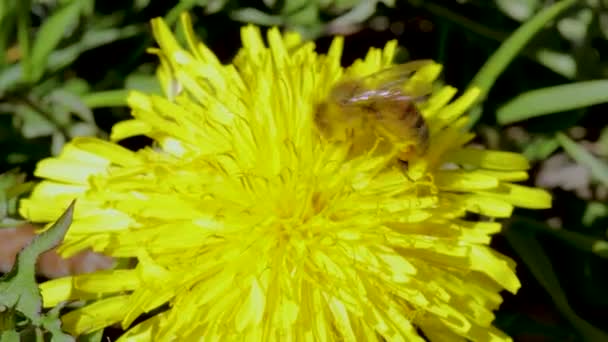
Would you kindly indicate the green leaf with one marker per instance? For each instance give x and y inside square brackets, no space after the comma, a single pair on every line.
[143,82]
[305,16]
[525,243]
[594,211]
[18,288]
[558,62]
[95,336]
[10,336]
[552,100]
[10,77]
[35,124]
[141,4]
[575,28]
[517,323]
[12,185]
[49,35]
[519,10]
[600,248]
[109,98]
[498,62]
[581,242]
[52,324]
[602,142]
[598,168]
[23,33]
[540,148]
[215,6]
[8,17]
[291,6]
[255,16]
[361,12]
[603,21]
[183,6]
[72,103]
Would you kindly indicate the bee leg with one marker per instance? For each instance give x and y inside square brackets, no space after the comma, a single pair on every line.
[404,167]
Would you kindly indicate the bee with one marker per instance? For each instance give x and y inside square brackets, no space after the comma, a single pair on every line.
[361,110]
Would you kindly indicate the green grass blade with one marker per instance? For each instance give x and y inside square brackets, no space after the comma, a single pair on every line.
[498,62]
[23,34]
[552,100]
[598,168]
[524,241]
[109,98]
[582,242]
[49,35]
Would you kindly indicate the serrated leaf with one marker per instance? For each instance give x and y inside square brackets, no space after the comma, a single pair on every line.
[553,100]
[525,243]
[18,288]
[52,324]
[598,168]
[49,35]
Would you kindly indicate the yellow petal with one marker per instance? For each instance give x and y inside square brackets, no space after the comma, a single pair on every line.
[95,316]
[464,181]
[495,160]
[521,196]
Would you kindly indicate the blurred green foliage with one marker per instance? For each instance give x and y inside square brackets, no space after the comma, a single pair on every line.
[67,65]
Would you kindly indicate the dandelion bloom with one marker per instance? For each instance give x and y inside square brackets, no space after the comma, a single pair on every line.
[248,226]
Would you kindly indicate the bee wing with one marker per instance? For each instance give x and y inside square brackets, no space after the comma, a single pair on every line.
[384,84]
[395,76]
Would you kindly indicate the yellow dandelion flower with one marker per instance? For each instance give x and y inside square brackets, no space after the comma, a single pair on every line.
[247,225]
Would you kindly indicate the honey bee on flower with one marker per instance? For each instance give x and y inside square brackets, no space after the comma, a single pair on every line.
[377,105]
